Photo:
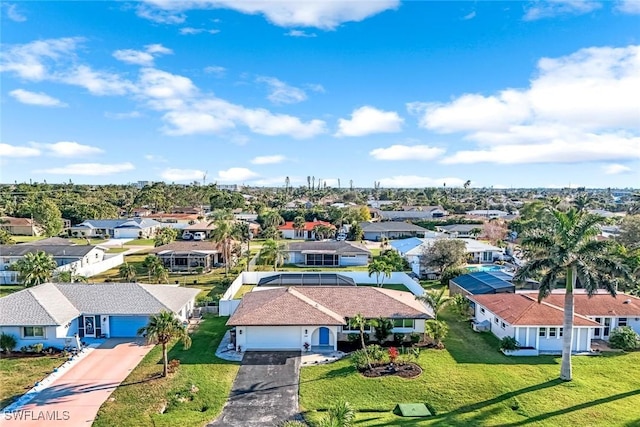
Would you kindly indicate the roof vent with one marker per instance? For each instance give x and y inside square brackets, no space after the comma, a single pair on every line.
[627,301]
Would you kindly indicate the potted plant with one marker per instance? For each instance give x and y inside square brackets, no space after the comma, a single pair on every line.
[306,346]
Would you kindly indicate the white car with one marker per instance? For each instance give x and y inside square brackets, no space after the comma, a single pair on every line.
[199,235]
[187,236]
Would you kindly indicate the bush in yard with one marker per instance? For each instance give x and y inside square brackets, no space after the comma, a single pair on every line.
[461,305]
[359,360]
[38,347]
[8,342]
[377,354]
[173,365]
[293,424]
[393,354]
[508,343]
[339,415]
[624,338]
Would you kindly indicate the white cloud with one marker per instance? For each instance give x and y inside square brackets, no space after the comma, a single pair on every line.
[89,169]
[300,33]
[406,152]
[319,14]
[192,31]
[552,8]
[316,87]
[367,120]
[36,98]
[631,7]
[7,150]
[97,82]
[31,61]
[217,70]
[121,116]
[68,149]
[144,58]
[235,175]
[14,14]
[414,181]
[157,84]
[182,174]
[469,16]
[615,169]
[268,160]
[282,93]
[573,104]
[155,158]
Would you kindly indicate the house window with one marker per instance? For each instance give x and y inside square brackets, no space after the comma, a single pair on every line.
[33,332]
[495,319]
[542,332]
[560,332]
[322,259]
[347,328]
[502,325]
[552,332]
[482,310]
[403,323]
[622,321]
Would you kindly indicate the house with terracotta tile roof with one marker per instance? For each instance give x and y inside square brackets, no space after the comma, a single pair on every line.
[20,226]
[307,232]
[296,317]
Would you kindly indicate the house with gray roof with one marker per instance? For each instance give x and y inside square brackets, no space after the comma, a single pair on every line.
[327,254]
[461,230]
[124,228]
[63,314]
[391,230]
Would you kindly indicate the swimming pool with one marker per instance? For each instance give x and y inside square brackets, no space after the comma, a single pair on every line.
[475,268]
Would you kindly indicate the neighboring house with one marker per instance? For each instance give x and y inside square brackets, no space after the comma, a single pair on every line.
[176,220]
[288,318]
[391,230]
[488,213]
[536,326]
[189,256]
[481,252]
[117,228]
[82,260]
[482,282]
[203,227]
[461,230]
[60,315]
[412,213]
[327,254]
[245,216]
[307,233]
[20,226]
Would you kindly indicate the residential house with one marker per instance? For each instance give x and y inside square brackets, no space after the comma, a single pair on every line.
[179,221]
[61,315]
[461,230]
[131,228]
[307,232]
[482,282]
[292,318]
[488,213]
[189,256]
[378,231]
[327,254]
[20,226]
[202,227]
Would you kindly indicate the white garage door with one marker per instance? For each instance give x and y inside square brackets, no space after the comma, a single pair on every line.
[273,338]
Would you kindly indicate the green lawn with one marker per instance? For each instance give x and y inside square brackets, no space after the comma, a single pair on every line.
[243,290]
[17,376]
[26,239]
[471,384]
[139,398]
[81,241]
[9,289]
[116,250]
[141,242]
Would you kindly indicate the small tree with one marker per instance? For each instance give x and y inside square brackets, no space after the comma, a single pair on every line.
[163,328]
[164,236]
[443,254]
[35,268]
[624,338]
[360,322]
[8,342]
[127,272]
[437,300]
[381,270]
[383,328]
[461,305]
[508,343]
[437,330]
[272,253]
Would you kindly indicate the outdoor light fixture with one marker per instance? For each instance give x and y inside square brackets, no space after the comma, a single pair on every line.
[306,331]
[240,332]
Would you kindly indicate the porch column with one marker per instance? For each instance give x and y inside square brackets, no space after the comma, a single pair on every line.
[578,339]
[526,337]
[537,339]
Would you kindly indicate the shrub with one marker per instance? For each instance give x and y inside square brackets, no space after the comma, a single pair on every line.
[173,365]
[624,338]
[359,360]
[461,305]
[397,337]
[393,354]
[508,343]
[377,354]
[38,347]
[8,342]
[293,424]
[415,338]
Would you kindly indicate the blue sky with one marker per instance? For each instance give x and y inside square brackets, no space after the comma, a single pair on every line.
[413,94]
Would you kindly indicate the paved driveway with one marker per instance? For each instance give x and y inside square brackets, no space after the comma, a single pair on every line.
[73,399]
[265,391]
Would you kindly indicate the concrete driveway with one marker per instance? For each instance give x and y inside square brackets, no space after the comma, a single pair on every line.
[265,391]
[73,399]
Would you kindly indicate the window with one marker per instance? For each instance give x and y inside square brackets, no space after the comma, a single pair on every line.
[33,332]
[552,332]
[322,259]
[482,310]
[542,332]
[347,328]
[622,321]
[403,323]
[502,325]
[495,319]
[560,332]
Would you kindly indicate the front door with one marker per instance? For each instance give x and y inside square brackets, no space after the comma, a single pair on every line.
[89,326]
[607,327]
[324,336]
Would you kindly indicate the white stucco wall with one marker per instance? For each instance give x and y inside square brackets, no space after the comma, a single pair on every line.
[353,260]
[54,336]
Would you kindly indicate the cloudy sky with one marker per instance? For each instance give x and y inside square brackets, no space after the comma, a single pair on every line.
[415,94]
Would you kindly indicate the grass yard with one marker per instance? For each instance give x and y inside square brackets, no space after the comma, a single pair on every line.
[18,375]
[471,384]
[116,250]
[9,289]
[27,239]
[82,241]
[141,242]
[243,290]
[138,400]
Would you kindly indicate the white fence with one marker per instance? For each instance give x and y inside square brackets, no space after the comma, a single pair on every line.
[110,261]
[228,305]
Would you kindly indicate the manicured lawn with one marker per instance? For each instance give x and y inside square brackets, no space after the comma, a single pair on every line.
[80,241]
[9,289]
[243,290]
[138,400]
[116,250]
[395,286]
[470,384]
[17,376]
[141,242]
[26,239]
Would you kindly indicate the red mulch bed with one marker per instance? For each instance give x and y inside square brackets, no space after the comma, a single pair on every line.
[408,370]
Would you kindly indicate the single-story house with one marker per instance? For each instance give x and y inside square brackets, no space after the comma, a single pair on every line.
[391,230]
[482,282]
[176,220]
[412,213]
[189,256]
[83,260]
[461,230]
[535,326]
[328,253]
[61,314]
[307,232]
[292,318]
[481,252]
[117,228]
[205,227]
[487,213]
[20,226]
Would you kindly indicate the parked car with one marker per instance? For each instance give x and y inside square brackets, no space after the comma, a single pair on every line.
[187,236]
[199,235]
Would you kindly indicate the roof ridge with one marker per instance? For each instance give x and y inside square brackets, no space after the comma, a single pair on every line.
[143,287]
[293,291]
[43,306]
[526,310]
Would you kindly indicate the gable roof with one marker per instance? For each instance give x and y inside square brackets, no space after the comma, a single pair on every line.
[601,304]
[459,228]
[186,246]
[56,251]
[324,305]
[524,310]
[118,223]
[49,241]
[308,225]
[16,222]
[58,303]
[334,247]
[386,226]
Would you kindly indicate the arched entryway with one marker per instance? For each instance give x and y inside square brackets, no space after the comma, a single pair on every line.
[324,336]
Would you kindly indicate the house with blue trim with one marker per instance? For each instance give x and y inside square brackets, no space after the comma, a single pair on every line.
[126,228]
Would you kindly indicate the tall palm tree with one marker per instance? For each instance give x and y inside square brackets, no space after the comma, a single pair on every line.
[223,235]
[35,268]
[359,322]
[69,277]
[127,272]
[564,247]
[163,328]
[153,265]
[243,233]
[272,253]
[298,225]
[381,270]
[436,300]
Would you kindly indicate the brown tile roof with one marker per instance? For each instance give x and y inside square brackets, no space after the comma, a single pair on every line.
[9,220]
[602,304]
[186,247]
[200,226]
[308,226]
[524,309]
[324,305]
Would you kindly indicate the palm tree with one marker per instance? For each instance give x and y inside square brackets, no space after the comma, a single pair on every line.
[223,235]
[160,274]
[153,265]
[35,268]
[298,225]
[242,231]
[564,246]
[359,322]
[69,277]
[381,269]
[436,300]
[127,272]
[437,330]
[163,328]
[271,253]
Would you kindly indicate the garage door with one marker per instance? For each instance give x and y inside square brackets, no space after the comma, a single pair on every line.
[273,338]
[126,326]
